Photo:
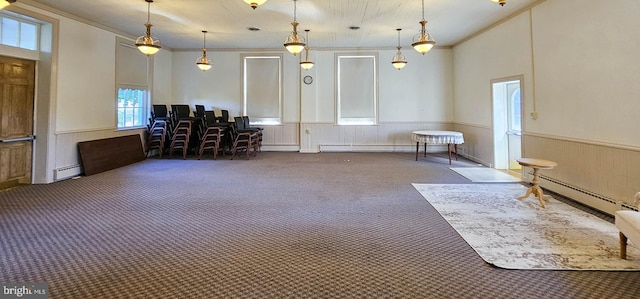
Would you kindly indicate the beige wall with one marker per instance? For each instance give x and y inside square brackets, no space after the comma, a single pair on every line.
[580,64]
[587,70]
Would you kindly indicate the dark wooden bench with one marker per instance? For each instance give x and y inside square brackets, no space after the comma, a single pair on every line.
[110,153]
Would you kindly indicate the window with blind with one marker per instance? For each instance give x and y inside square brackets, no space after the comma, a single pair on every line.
[133,95]
[262,88]
[356,89]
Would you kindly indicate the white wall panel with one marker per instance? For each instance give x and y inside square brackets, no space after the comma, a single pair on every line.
[503,51]
[587,69]
[86,77]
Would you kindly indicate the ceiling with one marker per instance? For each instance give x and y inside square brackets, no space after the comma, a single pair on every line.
[178,24]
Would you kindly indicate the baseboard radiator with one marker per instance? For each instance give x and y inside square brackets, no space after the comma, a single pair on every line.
[67,172]
[402,148]
[594,200]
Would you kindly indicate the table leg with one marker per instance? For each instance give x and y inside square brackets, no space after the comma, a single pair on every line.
[456,147]
[449,152]
[417,149]
[425,149]
[535,190]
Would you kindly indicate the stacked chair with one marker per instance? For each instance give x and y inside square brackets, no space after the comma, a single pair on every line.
[247,126]
[245,139]
[180,138]
[159,112]
[176,130]
[156,136]
[210,140]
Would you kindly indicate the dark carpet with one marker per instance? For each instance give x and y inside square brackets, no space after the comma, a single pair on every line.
[280,225]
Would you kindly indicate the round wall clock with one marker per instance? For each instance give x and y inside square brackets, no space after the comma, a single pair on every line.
[307,79]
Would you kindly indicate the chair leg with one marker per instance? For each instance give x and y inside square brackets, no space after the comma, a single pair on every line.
[623,246]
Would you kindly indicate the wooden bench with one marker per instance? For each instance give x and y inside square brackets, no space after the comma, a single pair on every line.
[110,153]
[628,222]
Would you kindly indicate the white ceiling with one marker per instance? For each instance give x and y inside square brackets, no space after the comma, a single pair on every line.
[178,23]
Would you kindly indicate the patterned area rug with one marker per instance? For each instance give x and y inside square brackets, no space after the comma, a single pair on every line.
[514,234]
[484,175]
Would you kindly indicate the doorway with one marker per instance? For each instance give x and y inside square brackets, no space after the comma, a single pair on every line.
[17,85]
[507,123]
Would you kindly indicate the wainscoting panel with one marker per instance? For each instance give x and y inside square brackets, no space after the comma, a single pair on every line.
[68,162]
[284,134]
[478,143]
[603,176]
[395,137]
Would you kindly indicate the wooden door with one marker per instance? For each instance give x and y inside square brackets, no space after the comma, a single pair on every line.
[17,77]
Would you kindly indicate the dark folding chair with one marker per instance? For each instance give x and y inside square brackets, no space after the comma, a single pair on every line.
[225,116]
[211,140]
[199,111]
[156,137]
[180,138]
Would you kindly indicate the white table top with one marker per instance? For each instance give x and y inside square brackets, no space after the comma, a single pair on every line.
[437,137]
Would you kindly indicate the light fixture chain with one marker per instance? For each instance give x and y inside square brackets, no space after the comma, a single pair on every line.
[295,10]
[148,12]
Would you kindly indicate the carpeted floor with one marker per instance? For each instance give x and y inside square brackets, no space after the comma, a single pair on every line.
[281,225]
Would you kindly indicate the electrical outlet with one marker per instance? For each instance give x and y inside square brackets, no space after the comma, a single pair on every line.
[534,115]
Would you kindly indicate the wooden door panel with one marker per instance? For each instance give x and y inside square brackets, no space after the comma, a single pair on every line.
[17,78]
[15,158]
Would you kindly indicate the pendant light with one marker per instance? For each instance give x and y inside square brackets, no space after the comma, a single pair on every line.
[501,2]
[294,43]
[399,61]
[202,62]
[5,3]
[423,42]
[255,3]
[306,64]
[148,44]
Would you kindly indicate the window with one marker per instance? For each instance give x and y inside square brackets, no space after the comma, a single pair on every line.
[357,89]
[515,114]
[262,92]
[18,33]
[132,107]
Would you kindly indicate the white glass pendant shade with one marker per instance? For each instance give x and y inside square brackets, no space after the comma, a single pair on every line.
[399,61]
[423,42]
[5,3]
[147,44]
[294,43]
[306,64]
[203,62]
[255,3]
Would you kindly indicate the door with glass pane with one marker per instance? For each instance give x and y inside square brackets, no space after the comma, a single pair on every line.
[17,77]
[507,123]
